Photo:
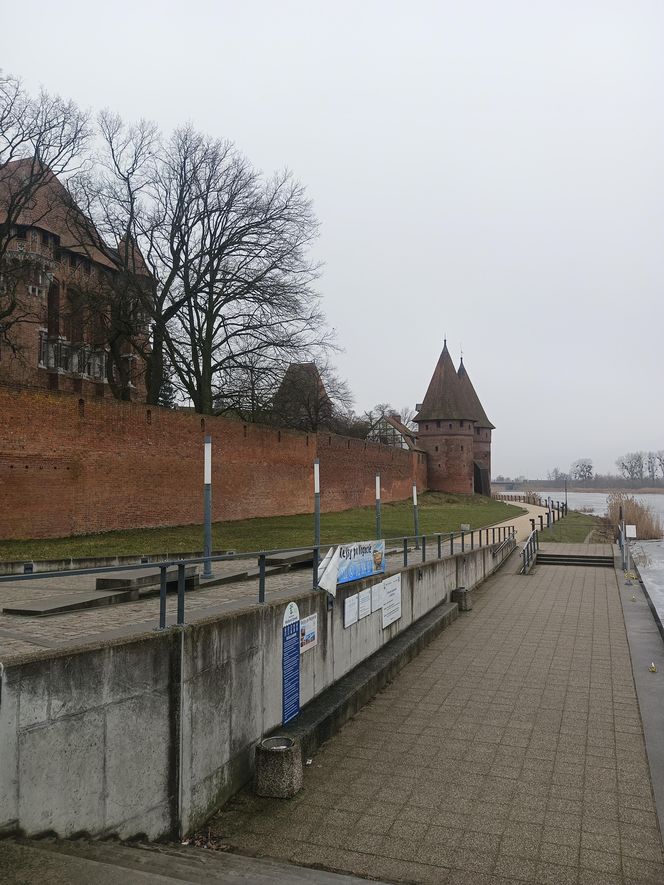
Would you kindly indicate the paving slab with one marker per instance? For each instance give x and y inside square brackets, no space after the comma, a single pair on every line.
[69,602]
[510,750]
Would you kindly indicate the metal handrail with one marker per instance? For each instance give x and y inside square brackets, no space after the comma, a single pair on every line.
[529,552]
[499,534]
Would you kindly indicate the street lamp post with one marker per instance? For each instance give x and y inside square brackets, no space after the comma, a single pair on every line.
[378,526]
[207,508]
[416,518]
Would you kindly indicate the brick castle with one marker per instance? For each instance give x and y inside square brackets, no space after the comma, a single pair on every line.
[73,459]
[71,465]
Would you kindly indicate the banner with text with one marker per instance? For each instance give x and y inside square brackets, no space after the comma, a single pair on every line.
[360,559]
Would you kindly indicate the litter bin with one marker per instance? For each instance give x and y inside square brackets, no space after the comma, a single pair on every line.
[278,768]
[463,599]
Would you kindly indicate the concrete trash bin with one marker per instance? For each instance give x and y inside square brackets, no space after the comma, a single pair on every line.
[463,598]
[278,768]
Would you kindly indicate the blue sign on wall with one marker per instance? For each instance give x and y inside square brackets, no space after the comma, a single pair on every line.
[360,560]
[291,662]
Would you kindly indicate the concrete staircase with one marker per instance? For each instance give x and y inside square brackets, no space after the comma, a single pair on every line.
[589,559]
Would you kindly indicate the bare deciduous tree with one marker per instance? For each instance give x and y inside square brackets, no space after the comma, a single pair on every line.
[227,274]
[631,465]
[581,470]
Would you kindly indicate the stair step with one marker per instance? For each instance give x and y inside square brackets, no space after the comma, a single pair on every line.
[574,559]
[196,866]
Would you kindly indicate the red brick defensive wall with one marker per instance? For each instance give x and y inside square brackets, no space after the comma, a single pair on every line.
[73,466]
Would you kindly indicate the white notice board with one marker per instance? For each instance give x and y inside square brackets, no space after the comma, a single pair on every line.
[377,597]
[364,603]
[351,610]
[391,600]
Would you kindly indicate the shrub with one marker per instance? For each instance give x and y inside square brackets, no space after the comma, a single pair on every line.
[635,512]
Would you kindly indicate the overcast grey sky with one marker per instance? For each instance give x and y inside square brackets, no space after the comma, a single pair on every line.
[490,170]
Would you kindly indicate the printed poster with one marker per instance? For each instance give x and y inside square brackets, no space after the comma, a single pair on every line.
[391,600]
[308,633]
[377,597]
[364,603]
[350,611]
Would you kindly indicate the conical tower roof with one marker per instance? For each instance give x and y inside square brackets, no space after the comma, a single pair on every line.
[445,397]
[473,400]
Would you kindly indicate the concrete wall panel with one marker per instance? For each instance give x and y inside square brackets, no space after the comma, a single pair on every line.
[151,735]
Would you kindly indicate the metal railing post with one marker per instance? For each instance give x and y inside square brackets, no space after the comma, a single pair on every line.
[451,543]
[261,578]
[405,551]
[463,542]
[440,546]
[472,540]
[180,594]
[424,548]
[315,559]
[162,597]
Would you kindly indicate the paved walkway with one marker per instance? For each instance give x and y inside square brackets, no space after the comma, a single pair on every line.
[510,750]
[21,635]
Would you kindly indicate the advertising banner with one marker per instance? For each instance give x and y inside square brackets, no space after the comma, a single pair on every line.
[360,559]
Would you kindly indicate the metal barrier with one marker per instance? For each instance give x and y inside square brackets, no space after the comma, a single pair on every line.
[500,535]
[529,552]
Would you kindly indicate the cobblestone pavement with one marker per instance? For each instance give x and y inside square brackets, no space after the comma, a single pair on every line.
[510,750]
[21,635]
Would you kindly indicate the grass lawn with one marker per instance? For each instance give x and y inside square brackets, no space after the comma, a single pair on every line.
[439,512]
[575,528]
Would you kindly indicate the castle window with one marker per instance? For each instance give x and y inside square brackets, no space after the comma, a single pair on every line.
[72,261]
[462,448]
[478,431]
[437,423]
[21,233]
[450,425]
[41,353]
[426,426]
[460,423]
[45,238]
[436,448]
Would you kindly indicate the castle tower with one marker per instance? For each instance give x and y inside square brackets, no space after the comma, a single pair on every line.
[454,431]
[446,430]
[482,437]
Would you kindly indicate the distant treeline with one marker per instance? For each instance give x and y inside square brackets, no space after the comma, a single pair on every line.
[638,470]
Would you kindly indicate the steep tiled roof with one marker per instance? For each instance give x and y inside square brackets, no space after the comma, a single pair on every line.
[53,210]
[446,396]
[470,397]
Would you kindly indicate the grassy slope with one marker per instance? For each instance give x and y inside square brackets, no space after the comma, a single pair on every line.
[438,513]
[574,529]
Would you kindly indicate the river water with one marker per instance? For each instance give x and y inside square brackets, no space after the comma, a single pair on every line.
[595,502]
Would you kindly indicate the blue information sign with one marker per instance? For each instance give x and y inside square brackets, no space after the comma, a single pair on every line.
[291,662]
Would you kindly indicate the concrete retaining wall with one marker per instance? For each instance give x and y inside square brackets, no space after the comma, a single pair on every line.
[149,736]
